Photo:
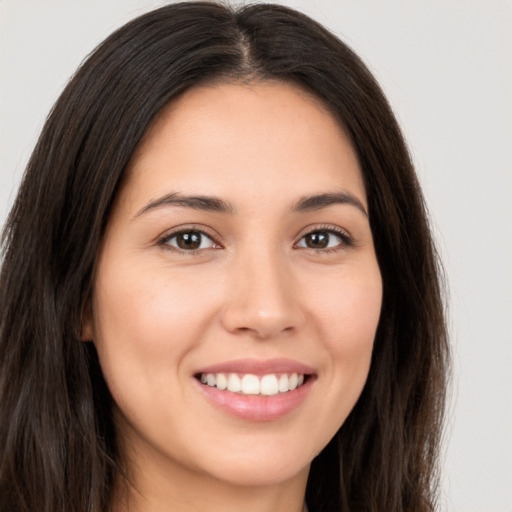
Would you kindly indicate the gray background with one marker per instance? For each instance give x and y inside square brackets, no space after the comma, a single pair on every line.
[446,67]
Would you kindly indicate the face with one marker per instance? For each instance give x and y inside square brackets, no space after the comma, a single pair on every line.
[237,292]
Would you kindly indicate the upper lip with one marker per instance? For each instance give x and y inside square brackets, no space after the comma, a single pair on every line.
[258,367]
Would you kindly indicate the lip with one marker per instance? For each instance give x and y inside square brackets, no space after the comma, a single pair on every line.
[258,367]
[257,408]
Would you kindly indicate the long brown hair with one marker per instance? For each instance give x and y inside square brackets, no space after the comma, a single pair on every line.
[58,448]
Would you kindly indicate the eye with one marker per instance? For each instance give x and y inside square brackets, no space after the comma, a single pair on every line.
[323,239]
[189,240]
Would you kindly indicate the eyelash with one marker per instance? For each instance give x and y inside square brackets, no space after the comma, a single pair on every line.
[164,241]
[346,240]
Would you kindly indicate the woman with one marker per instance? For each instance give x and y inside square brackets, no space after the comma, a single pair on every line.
[219,287]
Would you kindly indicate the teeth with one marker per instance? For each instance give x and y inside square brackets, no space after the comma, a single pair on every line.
[234,383]
[283,383]
[250,384]
[269,385]
[222,382]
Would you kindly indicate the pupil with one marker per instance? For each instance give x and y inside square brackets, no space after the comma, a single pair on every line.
[189,240]
[317,240]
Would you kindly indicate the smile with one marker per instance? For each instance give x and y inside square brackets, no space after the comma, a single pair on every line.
[250,384]
[256,390]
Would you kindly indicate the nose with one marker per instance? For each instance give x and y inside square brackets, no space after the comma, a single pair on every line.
[262,300]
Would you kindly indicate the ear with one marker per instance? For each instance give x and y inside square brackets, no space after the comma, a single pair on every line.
[87,328]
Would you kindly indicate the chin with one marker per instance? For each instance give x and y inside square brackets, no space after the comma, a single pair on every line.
[265,474]
[265,466]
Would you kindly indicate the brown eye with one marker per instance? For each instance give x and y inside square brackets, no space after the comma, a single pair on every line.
[321,240]
[318,240]
[190,241]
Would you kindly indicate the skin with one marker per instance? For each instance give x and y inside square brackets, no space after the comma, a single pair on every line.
[254,289]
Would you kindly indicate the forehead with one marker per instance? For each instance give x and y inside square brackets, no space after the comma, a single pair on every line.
[220,139]
[247,106]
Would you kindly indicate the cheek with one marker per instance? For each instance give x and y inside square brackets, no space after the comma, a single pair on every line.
[358,321]
[145,326]
[144,330]
[348,309]
[146,305]
[348,322]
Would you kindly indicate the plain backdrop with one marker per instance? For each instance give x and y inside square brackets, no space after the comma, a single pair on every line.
[446,66]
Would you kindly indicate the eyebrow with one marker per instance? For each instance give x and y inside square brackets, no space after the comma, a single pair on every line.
[217,205]
[319,201]
[205,203]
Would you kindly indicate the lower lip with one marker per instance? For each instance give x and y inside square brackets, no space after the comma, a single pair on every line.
[257,407]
